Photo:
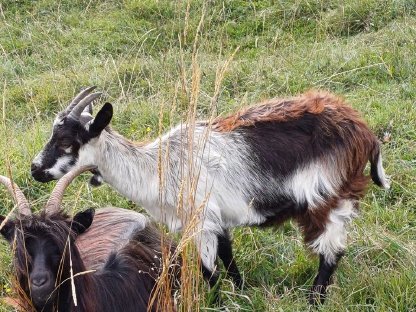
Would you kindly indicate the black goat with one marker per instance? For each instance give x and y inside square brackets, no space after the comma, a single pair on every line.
[53,270]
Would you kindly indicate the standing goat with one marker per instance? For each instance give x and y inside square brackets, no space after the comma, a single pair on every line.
[301,158]
[115,271]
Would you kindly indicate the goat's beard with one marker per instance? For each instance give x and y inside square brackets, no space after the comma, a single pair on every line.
[32,303]
[45,303]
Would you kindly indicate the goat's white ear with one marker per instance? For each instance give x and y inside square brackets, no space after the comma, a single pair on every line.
[7,231]
[102,120]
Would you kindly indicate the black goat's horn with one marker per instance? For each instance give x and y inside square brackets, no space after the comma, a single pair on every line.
[54,202]
[19,197]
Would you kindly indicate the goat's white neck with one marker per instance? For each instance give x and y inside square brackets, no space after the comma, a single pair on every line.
[129,168]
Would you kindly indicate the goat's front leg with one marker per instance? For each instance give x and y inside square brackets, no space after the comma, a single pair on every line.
[207,243]
[225,253]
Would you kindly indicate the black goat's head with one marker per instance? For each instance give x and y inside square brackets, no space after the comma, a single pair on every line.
[72,130]
[42,244]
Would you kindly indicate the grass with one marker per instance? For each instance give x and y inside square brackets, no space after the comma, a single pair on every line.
[141,54]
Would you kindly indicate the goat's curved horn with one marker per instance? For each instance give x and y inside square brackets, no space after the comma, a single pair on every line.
[78,98]
[22,203]
[54,202]
[79,107]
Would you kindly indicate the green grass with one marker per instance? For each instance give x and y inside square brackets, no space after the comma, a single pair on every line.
[140,51]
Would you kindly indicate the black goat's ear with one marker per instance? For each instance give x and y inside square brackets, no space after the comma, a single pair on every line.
[7,231]
[102,120]
[82,221]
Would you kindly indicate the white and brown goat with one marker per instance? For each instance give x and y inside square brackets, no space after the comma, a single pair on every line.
[300,158]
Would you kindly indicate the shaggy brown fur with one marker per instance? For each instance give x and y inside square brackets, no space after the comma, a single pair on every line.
[281,110]
[338,122]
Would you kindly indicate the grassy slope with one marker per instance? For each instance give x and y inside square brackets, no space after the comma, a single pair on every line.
[363,50]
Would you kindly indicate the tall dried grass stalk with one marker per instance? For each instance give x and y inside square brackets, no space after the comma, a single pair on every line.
[190,294]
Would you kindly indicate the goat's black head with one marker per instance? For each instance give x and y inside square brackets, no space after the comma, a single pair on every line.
[73,131]
[42,245]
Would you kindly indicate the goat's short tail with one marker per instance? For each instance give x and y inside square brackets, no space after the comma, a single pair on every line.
[377,170]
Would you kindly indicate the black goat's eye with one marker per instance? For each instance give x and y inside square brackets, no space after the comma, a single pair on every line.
[56,258]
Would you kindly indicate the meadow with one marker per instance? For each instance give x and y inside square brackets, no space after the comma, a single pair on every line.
[156,60]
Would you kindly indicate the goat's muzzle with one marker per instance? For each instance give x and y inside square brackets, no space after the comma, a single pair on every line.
[42,288]
[39,174]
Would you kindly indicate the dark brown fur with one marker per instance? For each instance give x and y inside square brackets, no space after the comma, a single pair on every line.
[111,230]
[126,272]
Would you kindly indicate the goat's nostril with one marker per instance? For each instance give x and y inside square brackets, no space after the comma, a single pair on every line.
[39,281]
[33,167]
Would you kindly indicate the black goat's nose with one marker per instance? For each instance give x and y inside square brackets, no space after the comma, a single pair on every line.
[39,281]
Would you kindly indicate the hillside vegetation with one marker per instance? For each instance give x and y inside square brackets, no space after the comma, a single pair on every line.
[149,56]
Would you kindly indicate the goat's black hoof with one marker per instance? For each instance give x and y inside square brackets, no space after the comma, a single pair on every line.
[214,297]
[317,295]
[238,282]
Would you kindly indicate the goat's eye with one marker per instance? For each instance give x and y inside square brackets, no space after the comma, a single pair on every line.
[67,149]
[56,258]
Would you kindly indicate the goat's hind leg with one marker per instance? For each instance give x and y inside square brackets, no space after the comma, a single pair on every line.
[323,278]
[225,253]
[330,245]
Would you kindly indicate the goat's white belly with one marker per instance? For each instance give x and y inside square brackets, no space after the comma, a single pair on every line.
[236,211]
[165,215]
